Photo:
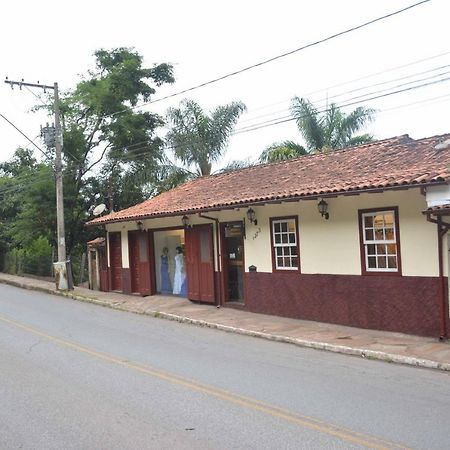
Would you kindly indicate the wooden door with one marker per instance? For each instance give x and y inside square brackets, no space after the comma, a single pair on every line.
[199,259]
[233,261]
[140,267]
[133,252]
[103,265]
[115,257]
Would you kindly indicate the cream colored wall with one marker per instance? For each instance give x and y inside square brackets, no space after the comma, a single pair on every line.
[332,246]
[326,246]
[123,228]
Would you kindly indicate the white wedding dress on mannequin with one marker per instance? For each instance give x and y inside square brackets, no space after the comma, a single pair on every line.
[180,273]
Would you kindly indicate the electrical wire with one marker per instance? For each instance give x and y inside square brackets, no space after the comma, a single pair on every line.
[277,57]
[371,75]
[328,98]
[44,177]
[343,105]
[348,102]
[25,136]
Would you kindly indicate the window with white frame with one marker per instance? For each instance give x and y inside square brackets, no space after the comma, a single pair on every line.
[285,245]
[380,241]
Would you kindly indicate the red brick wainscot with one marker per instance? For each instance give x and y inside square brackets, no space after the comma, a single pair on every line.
[401,304]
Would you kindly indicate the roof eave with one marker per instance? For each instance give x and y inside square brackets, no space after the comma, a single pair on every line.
[313,196]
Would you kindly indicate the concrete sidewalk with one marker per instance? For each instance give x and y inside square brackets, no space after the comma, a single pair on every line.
[380,345]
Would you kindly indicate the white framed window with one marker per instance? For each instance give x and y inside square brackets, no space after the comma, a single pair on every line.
[380,240]
[285,253]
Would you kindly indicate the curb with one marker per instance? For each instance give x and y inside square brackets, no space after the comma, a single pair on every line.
[363,353]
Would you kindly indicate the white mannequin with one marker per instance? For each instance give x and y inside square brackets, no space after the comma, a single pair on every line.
[180,271]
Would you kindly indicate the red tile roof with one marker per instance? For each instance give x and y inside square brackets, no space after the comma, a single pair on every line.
[386,164]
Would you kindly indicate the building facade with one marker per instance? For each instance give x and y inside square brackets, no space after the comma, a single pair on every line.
[319,238]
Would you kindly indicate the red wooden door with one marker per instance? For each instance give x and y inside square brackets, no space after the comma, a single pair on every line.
[103,264]
[133,252]
[115,257]
[140,267]
[151,264]
[191,260]
[200,263]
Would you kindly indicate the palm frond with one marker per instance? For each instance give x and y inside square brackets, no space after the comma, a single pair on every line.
[199,139]
[309,122]
[281,151]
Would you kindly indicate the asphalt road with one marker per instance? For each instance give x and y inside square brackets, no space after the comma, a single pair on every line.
[79,376]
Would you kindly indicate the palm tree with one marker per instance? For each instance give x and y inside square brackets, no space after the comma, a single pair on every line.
[333,129]
[280,151]
[200,139]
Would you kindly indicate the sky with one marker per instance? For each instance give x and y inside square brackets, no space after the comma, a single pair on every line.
[54,41]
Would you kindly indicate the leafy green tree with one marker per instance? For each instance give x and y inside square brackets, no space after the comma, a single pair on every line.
[104,131]
[330,130]
[199,139]
[27,191]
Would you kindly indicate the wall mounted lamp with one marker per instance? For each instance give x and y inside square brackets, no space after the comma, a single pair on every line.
[140,225]
[185,221]
[251,216]
[322,206]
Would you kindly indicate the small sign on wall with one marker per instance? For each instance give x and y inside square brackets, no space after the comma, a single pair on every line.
[234,230]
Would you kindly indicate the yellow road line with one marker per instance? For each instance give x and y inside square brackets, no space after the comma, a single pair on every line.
[245,402]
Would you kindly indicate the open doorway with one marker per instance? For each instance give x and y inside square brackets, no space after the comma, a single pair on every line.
[233,261]
[170,265]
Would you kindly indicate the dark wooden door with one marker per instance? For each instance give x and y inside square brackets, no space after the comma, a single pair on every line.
[233,261]
[103,265]
[115,257]
[191,260]
[140,268]
[199,257]
[133,249]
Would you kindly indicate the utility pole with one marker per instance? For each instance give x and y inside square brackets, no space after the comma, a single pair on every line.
[63,273]
[59,180]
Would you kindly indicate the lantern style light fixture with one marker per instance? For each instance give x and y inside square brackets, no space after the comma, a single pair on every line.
[251,216]
[140,225]
[185,221]
[322,206]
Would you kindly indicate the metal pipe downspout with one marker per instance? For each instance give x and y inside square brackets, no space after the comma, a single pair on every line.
[219,285]
[443,302]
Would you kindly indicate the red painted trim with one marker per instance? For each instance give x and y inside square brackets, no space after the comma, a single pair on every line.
[274,266]
[362,251]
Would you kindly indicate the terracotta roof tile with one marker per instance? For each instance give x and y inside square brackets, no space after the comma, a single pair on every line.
[389,163]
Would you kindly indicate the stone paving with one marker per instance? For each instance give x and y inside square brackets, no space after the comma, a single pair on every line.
[387,346]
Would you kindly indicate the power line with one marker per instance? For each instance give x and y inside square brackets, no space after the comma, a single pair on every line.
[264,124]
[25,136]
[4,190]
[135,147]
[247,68]
[249,119]
[283,55]
[348,102]
[371,75]
[289,119]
